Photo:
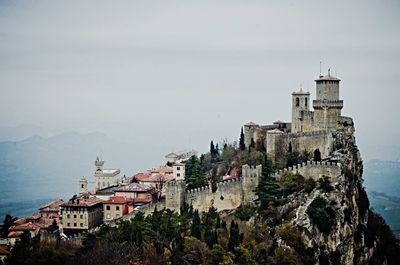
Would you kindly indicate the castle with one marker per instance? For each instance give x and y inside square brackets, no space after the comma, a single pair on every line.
[309,132]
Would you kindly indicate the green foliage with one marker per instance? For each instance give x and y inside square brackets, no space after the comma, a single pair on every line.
[322,215]
[244,212]
[243,256]
[196,226]
[7,223]
[194,176]
[234,236]
[309,185]
[291,182]
[294,158]
[324,184]
[283,256]
[242,146]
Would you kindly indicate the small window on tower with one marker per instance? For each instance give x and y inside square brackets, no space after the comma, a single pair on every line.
[305,101]
[297,102]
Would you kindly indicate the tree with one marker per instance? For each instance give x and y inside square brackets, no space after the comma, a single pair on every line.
[7,223]
[242,145]
[291,182]
[309,185]
[212,148]
[325,184]
[196,226]
[234,236]
[321,214]
[194,176]
[268,188]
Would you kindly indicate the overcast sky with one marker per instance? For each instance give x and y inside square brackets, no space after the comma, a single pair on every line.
[184,72]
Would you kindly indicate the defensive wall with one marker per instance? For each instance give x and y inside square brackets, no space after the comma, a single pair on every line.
[278,143]
[229,194]
[314,170]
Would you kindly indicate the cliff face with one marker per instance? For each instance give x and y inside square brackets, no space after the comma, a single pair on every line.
[336,221]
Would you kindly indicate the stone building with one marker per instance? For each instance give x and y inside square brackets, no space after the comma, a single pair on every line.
[310,130]
[116,207]
[80,215]
[105,178]
[138,192]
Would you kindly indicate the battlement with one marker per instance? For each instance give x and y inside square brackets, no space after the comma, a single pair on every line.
[251,171]
[305,134]
[313,169]
[320,104]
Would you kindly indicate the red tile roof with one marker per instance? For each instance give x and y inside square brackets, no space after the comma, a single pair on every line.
[4,250]
[14,234]
[118,200]
[82,202]
[134,187]
[52,206]
[142,176]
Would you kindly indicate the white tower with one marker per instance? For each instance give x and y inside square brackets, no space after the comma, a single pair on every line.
[83,183]
[179,171]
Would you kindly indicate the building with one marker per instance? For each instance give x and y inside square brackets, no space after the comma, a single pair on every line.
[311,131]
[116,207]
[180,156]
[81,214]
[138,192]
[105,177]
[179,171]
[156,180]
[83,185]
[51,210]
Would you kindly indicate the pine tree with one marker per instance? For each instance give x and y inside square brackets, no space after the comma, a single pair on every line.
[242,146]
[234,236]
[212,148]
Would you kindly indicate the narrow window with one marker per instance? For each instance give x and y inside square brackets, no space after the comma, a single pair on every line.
[108,207]
[305,101]
[117,208]
[297,102]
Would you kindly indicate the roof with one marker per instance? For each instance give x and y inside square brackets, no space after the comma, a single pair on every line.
[275,131]
[142,176]
[327,77]
[51,206]
[301,92]
[13,234]
[23,227]
[118,200]
[134,187]
[157,178]
[4,250]
[82,202]
[162,169]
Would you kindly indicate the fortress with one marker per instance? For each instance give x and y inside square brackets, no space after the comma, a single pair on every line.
[308,133]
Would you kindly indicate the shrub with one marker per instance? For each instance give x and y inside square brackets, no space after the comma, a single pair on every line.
[325,184]
[291,182]
[309,185]
[322,215]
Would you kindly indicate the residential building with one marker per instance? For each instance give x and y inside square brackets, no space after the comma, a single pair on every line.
[116,207]
[138,192]
[81,214]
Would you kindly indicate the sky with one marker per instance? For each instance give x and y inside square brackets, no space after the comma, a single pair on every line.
[178,74]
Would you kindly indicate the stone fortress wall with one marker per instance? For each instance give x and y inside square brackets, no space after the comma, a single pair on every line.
[229,194]
[314,170]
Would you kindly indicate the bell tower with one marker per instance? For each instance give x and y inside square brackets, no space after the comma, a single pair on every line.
[83,183]
[300,106]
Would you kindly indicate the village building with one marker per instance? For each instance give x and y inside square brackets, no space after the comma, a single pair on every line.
[81,214]
[104,178]
[138,192]
[51,209]
[180,156]
[116,207]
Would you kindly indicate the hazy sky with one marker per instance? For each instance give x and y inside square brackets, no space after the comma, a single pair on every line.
[181,73]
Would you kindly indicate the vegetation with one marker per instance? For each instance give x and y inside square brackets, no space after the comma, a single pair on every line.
[324,184]
[291,182]
[309,185]
[194,175]
[322,215]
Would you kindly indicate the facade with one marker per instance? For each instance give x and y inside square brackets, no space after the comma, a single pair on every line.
[116,207]
[178,171]
[105,178]
[83,186]
[81,214]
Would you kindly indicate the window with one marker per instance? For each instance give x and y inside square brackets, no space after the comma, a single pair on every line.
[305,101]
[178,174]
[178,168]
[82,186]
[117,208]
[81,216]
[74,215]
[297,102]
[108,207]
[74,224]
[68,224]
[68,216]
[81,224]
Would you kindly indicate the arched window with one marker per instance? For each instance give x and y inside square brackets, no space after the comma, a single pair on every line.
[317,155]
[306,101]
[297,102]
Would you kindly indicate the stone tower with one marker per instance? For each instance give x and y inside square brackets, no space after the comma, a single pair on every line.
[327,106]
[301,111]
[175,193]
[83,185]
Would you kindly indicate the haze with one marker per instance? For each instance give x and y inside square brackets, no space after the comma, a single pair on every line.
[176,74]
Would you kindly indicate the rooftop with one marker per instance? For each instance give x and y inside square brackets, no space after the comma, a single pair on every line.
[301,92]
[162,169]
[327,77]
[4,250]
[118,200]
[83,202]
[157,177]
[51,206]
[134,187]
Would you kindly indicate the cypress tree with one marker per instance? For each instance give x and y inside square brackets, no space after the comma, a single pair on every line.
[234,236]
[242,146]
[196,226]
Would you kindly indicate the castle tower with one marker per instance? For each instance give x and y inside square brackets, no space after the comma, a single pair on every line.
[83,183]
[249,133]
[99,165]
[105,178]
[175,195]
[301,111]
[179,171]
[327,106]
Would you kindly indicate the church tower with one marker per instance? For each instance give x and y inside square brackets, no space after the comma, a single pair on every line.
[300,111]
[83,183]
[327,106]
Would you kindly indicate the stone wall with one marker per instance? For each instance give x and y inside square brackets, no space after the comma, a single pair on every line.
[314,170]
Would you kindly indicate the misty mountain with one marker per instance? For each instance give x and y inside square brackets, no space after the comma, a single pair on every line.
[40,168]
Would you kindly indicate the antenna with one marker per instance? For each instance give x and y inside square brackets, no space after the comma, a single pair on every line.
[320,66]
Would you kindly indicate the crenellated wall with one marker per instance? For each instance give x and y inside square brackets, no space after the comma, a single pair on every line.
[229,194]
[314,170]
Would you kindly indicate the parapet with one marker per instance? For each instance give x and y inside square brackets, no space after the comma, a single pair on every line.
[251,171]
[303,166]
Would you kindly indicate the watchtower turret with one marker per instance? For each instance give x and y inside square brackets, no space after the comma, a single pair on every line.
[300,107]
